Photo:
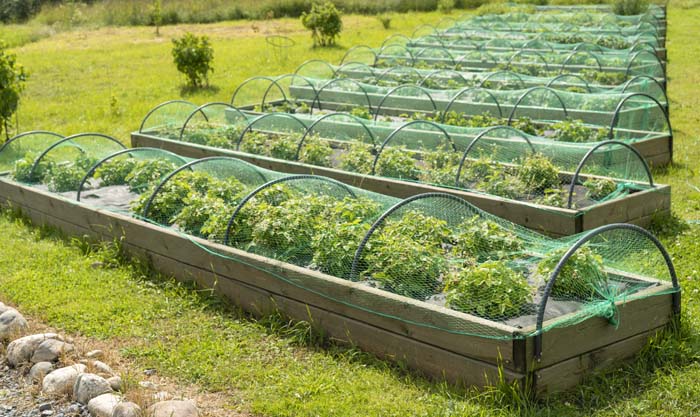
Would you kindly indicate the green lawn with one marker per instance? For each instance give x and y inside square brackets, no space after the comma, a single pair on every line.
[106,80]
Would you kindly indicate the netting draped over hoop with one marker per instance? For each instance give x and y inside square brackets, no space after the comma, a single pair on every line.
[432,248]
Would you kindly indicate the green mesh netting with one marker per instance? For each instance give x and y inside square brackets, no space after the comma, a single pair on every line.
[486,276]
[567,169]
[446,79]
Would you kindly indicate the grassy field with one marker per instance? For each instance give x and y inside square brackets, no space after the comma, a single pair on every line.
[107,79]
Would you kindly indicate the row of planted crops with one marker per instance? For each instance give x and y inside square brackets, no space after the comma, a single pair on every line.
[412,169]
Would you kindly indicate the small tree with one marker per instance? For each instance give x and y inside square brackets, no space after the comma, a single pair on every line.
[156,15]
[12,79]
[193,56]
[325,23]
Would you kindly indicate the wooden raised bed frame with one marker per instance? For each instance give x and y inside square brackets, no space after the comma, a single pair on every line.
[637,208]
[568,353]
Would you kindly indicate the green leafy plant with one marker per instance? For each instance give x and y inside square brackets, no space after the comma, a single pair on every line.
[361,112]
[64,177]
[358,157]
[445,6]
[599,188]
[481,239]
[146,172]
[418,227]
[193,56]
[115,171]
[284,146]
[385,20]
[576,131]
[316,151]
[553,197]
[325,23]
[397,163]
[491,290]
[581,277]
[254,142]
[538,173]
[335,245]
[12,80]
[21,171]
[630,7]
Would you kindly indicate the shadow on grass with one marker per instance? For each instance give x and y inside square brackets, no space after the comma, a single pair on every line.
[189,90]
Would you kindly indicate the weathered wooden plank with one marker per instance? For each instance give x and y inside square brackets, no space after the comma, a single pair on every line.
[635,316]
[633,207]
[569,373]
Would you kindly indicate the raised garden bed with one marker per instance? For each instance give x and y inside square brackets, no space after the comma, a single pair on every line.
[548,347]
[637,205]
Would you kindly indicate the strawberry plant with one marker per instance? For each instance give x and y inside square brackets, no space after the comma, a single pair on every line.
[397,163]
[580,277]
[357,158]
[599,188]
[196,211]
[254,142]
[575,131]
[418,227]
[316,151]
[64,177]
[284,146]
[334,246]
[555,197]
[491,290]
[482,240]
[538,173]
[148,172]
[21,171]
[115,171]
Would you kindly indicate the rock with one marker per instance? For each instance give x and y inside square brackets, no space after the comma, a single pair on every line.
[3,308]
[148,385]
[174,408]
[89,386]
[61,381]
[127,409]
[95,354]
[21,350]
[12,324]
[39,371]
[46,413]
[102,368]
[115,382]
[149,372]
[50,350]
[45,406]
[162,396]
[103,405]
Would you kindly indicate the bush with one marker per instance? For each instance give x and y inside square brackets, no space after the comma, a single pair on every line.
[445,6]
[12,79]
[385,20]
[491,290]
[193,55]
[18,10]
[630,7]
[325,23]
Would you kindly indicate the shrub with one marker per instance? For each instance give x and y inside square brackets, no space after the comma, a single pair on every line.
[581,276]
[385,20]
[18,10]
[325,23]
[193,57]
[12,80]
[445,6]
[630,7]
[491,290]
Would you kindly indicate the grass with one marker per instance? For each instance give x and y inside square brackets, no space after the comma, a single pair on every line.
[107,79]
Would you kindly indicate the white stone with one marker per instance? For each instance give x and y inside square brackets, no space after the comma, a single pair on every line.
[162,396]
[94,354]
[3,308]
[39,371]
[148,385]
[115,382]
[12,324]
[89,386]
[50,351]
[21,350]
[173,408]
[103,405]
[127,409]
[61,381]
[102,368]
